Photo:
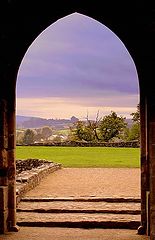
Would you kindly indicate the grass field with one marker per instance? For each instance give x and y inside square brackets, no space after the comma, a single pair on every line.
[83,156]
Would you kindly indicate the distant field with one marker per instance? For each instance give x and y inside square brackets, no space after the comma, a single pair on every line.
[83,156]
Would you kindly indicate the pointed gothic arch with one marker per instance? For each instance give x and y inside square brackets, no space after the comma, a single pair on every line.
[21,22]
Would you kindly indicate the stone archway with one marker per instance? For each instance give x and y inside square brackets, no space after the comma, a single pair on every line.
[21,23]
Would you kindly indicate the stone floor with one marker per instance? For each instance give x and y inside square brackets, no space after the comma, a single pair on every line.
[35,233]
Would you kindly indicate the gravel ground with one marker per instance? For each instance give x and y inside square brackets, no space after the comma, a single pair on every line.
[99,182]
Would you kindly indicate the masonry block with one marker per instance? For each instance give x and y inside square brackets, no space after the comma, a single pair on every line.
[11,141]
[3,181]
[12,195]
[3,198]
[3,158]
[11,158]
[3,142]
[3,221]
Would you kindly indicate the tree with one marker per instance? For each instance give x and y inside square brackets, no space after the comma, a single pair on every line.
[134,132]
[93,126]
[28,136]
[112,126]
[46,132]
[19,136]
[85,130]
[136,115]
[80,131]
[57,139]
[38,137]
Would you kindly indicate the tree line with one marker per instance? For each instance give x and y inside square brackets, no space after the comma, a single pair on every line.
[109,128]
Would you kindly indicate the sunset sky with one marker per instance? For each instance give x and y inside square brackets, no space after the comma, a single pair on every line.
[77,66]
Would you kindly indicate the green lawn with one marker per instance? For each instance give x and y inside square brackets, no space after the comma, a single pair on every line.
[83,156]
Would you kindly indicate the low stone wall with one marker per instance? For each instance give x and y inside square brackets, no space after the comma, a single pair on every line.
[129,144]
[28,164]
[29,174]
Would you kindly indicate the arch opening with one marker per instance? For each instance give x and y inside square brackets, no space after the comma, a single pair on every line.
[61,89]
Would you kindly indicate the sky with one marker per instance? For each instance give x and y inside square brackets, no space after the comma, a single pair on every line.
[77,67]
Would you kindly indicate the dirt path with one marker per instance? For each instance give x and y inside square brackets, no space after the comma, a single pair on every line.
[90,182]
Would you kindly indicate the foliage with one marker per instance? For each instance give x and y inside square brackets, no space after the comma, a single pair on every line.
[85,130]
[134,132]
[19,136]
[46,132]
[37,137]
[81,131]
[57,139]
[136,115]
[28,136]
[111,126]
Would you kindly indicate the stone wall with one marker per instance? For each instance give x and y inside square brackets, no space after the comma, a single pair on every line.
[29,174]
[28,164]
[131,144]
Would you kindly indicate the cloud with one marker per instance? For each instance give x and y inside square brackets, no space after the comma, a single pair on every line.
[55,107]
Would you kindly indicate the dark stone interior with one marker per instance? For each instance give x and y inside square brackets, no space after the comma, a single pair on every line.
[20,23]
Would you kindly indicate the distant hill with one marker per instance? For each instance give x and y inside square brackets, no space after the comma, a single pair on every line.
[37,122]
[20,119]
